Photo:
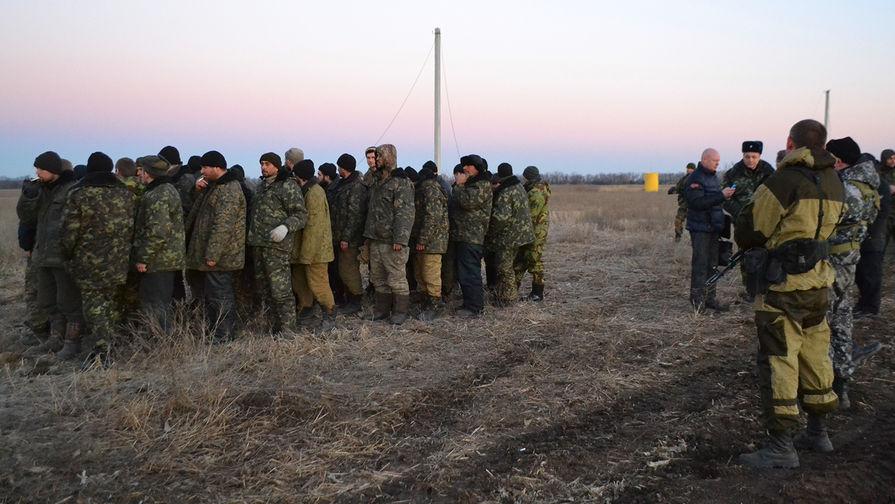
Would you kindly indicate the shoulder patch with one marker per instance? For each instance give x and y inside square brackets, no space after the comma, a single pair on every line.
[695,185]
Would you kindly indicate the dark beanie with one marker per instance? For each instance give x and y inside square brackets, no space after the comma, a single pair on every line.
[411,173]
[473,160]
[304,169]
[845,149]
[426,173]
[752,146]
[329,170]
[194,164]
[211,158]
[886,155]
[49,161]
[272,158]
[347,162]
[430,165]
[531,172]
[99,163]
[238,173]
[80,170]
[504,170]
[171,155]
[458,169]
[691,166]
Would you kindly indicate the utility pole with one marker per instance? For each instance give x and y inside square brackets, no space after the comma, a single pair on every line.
[438,100]
[826,111]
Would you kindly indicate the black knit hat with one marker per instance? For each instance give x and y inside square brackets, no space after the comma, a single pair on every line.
[886,154]
[171,155]
[411,173]
[194,164]
[430,165]
[79,171]
[426,173]
[213,158]
[458,169]
[272,158]
[238,172]
[473,160]
[845,149]
[752,146]
[99,163]
[505,170]
[329,170]
[304,169]
[531,172]
[347,162]
[49,161]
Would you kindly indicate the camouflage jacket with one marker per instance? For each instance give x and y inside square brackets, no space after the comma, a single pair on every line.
[159,241]
[747,181]
[390,211]
[98,230]
[473,209]
[276,203]
[315,243]
[538,202]
[861,206]
[215,228]
[430,224]
[680,188]
[510,226]
[369,178]
[134,185]
[349,210]
[185,183]
[49,209]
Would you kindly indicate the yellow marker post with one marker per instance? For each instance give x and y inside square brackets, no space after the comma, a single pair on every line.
[651,182]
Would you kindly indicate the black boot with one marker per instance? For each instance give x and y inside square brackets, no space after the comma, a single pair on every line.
[352,306]
[697,300]
[815,436]
[399,309]
[382,306]
[328,323]
[537,292]
[713,304]
[52,344]
[778,451]
[840,386]
[72,344]
[306,317]
[429,309]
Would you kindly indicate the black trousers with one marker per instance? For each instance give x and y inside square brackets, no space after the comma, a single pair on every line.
[869,277]
[469,273]
[58,296]
[220,303]
[702,264]
[157,296]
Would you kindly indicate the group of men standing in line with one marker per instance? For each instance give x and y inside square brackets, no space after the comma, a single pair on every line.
[806,228]
[101,244]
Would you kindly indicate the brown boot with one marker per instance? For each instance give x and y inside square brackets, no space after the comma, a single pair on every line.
[382,306]
[72,344]
[52,344]
[399,311]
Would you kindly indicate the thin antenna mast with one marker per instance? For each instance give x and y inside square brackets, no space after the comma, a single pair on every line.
[438,100]
[826,111]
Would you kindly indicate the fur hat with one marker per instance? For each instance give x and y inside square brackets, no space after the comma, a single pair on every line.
[49,161]
[473,160]
[388,153]
[845,149]
[347,162]
[213,158]
[98,162]
[430,165]
[505,170]
[752,146]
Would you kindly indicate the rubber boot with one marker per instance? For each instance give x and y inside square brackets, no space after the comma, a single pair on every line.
[382,306]
[840,386]
[778,452]
[72,344]
[306,317]
[814,437]
[352,306]
[537,292]
[399,310]
[328,323]
[52,344]
[862,353]
[429,309]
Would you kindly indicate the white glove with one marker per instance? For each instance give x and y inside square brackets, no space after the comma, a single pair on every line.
[279,233]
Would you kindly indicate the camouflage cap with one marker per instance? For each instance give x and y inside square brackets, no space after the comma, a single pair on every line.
[155,166]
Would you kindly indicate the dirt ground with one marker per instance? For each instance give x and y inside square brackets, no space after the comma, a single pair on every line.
[612,390]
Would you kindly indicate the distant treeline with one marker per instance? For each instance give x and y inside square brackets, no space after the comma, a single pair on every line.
[11,183]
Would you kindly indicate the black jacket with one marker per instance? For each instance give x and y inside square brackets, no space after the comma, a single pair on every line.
[704,198]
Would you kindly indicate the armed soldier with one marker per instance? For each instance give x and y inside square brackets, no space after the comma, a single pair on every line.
[159,241]
[509,229]
[216,243]
[858,173]
[530,257]
[278,215]
[97,233]
[792,215]
[681,216]
[349,214]
[390,216]
[429,240]
[474,198]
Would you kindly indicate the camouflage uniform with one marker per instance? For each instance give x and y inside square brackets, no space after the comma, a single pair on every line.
[159,243]
[134,185]
[681,216]
[747,181]
[531,255]
[349,213]
[474,199]
[509,229]
[278,201]
[430,229]
[97,233]
[861,206]
[215,231]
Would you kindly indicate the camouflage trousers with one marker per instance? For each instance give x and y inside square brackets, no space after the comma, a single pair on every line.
[840,313]
[793,356]
[102,312]
[388,268]
[506,291]
[36,318]
[529,260]
[680,218]
[273,278]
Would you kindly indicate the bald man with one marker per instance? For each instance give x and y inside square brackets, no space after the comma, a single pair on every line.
[705,221]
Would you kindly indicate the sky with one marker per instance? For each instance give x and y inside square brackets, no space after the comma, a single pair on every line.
[568,86]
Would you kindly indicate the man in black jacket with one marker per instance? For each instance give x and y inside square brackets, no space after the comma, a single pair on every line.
[869,273]
[705,221]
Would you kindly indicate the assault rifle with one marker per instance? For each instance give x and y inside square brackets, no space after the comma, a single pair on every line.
[731,264]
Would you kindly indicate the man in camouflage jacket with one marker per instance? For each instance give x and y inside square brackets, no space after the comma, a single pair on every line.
[858,174]
[429,239]
[390,215]
[97,233]
[349,213]
[680,217]
[216,242]
[126,171]
[159,243]
[473,197]
[530,257]
[510,229]
[277,217]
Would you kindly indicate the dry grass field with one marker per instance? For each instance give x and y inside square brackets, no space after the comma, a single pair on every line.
[612,390]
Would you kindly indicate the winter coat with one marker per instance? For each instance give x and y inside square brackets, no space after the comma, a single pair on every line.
[390,211]
[159,240]
[704,199]
[26,210]
[315,244]
[473,209]
[747,181]
[50,205]
[510,225]
[430,224]
[185,183]
[878,231]
[215,228]
[538,202]
[98,231]
[349,210]
[277,203]
[861,206]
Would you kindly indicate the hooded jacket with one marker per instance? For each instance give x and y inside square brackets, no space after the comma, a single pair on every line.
[861,206]
[390,211]
[474,199]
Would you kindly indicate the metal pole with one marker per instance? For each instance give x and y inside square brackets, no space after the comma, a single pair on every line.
[827,112]
[438,100]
